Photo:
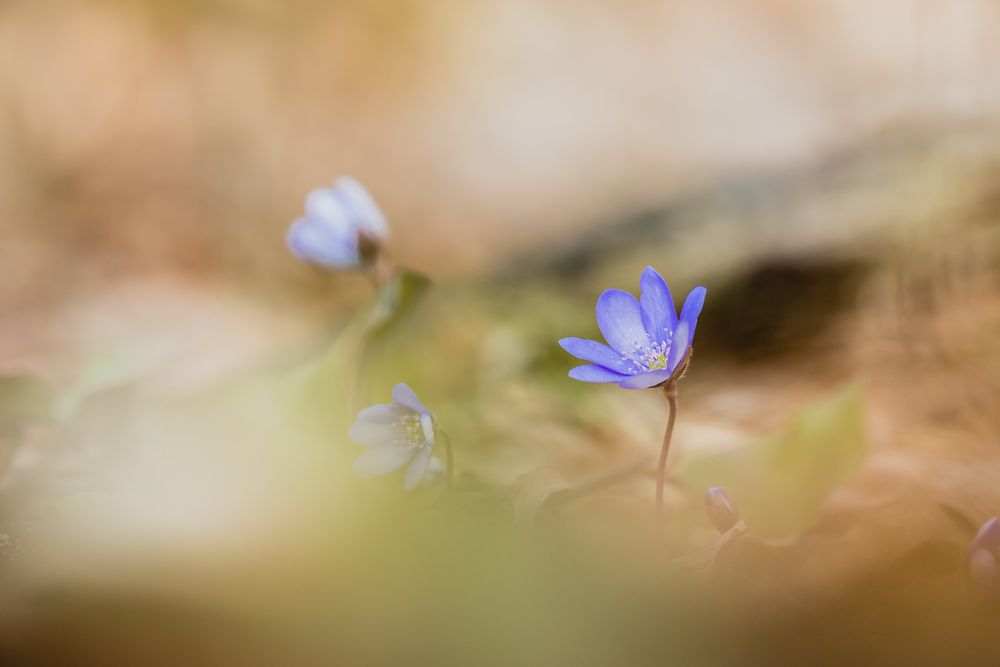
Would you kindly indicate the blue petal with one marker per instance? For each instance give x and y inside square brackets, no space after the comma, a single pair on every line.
[598,353]
[692,309]
[313,241]
[658,313]
[384,413]
[620,320]
[645,380]
[403,394]
[360,206]
[592,373]
[678,346]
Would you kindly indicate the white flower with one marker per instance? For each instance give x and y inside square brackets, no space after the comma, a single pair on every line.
[396,434]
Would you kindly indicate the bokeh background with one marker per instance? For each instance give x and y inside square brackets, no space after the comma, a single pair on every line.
[176,386]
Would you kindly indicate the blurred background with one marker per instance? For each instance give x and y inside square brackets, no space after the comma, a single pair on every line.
[173,492]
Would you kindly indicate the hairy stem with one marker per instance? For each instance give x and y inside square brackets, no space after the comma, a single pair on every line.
[670,392]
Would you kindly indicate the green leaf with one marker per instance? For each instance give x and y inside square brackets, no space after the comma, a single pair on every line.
[112,369]
[23,400]
[779,481]
[397,298]
[329,388]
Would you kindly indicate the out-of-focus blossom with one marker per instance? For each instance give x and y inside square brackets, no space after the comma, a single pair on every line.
[646,337]
[343,227]
[722,511]
[984,551]
[436,471]
[396,434]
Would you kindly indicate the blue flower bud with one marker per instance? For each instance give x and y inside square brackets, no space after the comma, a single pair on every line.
[721,509]
[342,229]
[983,568]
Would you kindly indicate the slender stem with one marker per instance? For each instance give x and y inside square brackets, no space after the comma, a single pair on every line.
[380,270]
[670,392]
[450,459]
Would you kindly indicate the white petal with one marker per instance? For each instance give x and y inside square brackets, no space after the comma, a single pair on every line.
[362,205]
[384,413]
[434,471]
[382,460]
[427,426]
[367,433]
[322,205]
[417,468]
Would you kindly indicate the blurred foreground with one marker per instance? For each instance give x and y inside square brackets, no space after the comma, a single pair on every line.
[176,389]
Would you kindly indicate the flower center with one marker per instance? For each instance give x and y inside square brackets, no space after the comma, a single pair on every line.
[417,430]
[650,355]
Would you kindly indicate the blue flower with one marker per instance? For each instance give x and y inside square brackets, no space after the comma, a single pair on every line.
[983,554]
[396,434]
[647,340]
[342,229]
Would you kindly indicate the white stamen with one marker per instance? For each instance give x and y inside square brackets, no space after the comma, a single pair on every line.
[650,355]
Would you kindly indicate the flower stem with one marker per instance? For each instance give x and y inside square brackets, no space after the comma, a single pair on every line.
[670,392]
[450,464]
[380,270]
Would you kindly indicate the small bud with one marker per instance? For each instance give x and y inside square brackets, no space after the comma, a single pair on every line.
[343,228]
[983,554]
[983,568]
[722,511]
